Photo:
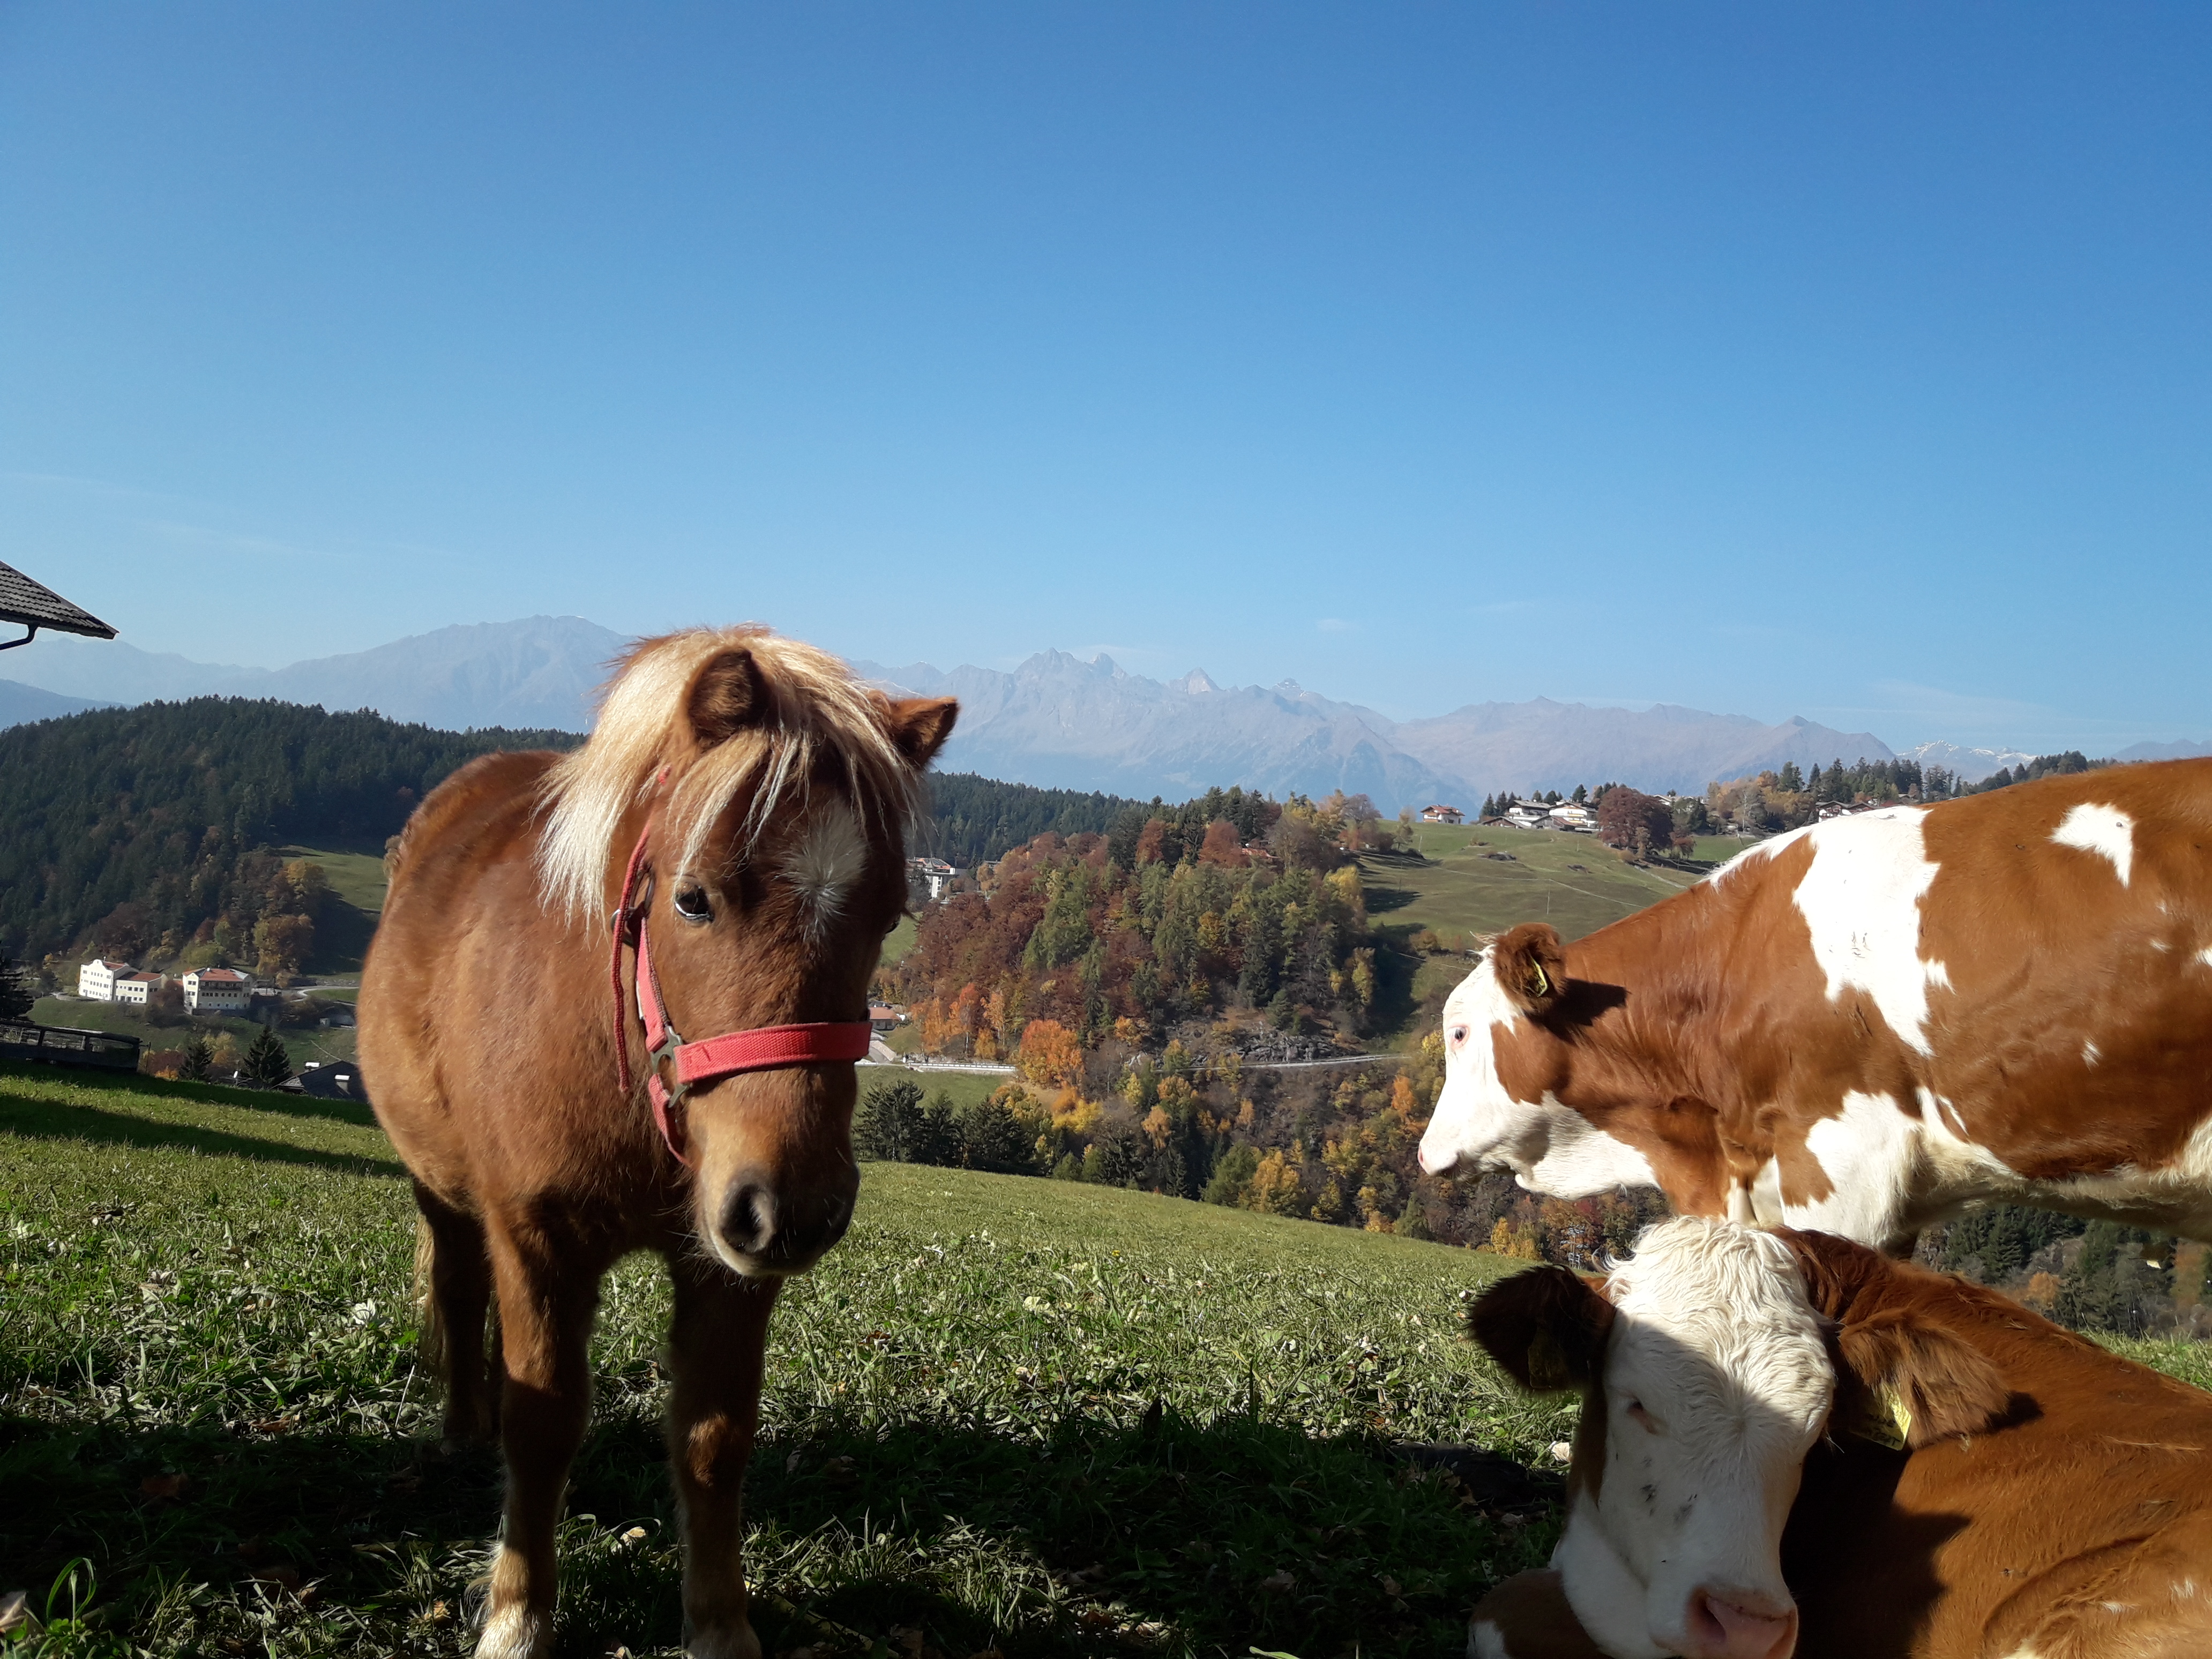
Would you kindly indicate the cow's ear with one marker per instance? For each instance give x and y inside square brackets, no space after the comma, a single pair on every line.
[920,725]
[1927,1382]
[1545,1327]
[1531,967]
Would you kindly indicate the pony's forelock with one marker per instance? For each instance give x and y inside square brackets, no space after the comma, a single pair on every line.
[815,707]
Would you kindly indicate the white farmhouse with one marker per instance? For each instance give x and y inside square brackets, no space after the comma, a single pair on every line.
[1528,815]
[1572,815]
[138,988]
[95,979]
[937,874]
[217,990]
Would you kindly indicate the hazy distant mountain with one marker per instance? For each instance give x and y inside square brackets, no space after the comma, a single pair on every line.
[2183,750]
[111,671]
[1056,720]
[1543,745]
[541,671]
[1972,765]
[21,703]
[1059,722]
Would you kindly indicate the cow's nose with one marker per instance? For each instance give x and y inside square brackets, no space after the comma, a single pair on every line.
[1733,1624]
[1435,1160]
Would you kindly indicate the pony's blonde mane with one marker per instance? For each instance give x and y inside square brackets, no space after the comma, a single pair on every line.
[815,707]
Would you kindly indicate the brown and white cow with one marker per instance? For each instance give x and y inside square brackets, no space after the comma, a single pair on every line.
[1974,1483]
[1865,1024]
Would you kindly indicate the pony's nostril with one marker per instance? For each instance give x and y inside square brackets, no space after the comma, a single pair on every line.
[749,1220]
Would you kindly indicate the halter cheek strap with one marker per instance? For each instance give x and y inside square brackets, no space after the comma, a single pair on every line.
[763,1049]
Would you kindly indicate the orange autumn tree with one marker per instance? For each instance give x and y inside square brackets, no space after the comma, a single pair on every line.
[1050,1055]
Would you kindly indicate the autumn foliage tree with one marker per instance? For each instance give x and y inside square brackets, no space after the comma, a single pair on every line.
[1633,821]
[1050,1054]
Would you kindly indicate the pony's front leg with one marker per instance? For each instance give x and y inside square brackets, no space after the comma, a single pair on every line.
[547,1297]
[718,1344]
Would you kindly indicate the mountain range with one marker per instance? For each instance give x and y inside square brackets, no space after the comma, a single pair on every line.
[1055,720]
[1060,722]
[540,673]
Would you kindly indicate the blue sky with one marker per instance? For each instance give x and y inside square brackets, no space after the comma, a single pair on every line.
[1849,362]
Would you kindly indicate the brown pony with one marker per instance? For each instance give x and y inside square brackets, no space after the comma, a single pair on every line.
[756,796]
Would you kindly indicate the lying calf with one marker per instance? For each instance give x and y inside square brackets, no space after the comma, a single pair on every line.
[1789,1444]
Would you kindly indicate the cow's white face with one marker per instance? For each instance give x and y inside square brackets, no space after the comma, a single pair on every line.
[1477,1124]
[1715,1386]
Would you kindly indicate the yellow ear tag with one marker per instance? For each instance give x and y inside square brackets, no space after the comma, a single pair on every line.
[1541,985]
[1887,1421]
[1547,1364]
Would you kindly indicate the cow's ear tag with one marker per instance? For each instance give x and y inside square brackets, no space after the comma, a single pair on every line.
[1887,1420]
[1547,1364]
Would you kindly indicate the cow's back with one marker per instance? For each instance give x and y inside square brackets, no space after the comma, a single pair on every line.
[2066,1528]
[2072,917]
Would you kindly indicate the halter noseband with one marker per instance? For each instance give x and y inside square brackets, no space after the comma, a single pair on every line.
[764,1048]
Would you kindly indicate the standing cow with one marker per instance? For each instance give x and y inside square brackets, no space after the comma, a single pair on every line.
[1865,1024]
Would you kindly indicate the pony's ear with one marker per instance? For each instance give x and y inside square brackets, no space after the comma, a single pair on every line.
[920,725]
[1937,1383]
[1545,1327]
[1531,967]
[728,695]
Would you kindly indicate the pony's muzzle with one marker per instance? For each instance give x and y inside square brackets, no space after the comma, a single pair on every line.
[780,1230]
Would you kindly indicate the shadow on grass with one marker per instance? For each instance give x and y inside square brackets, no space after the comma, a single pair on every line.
[1235,1531]
[216,1094]
[39,1120]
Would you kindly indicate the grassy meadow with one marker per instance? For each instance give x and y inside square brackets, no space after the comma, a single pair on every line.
[1006,1414]
[1468,880]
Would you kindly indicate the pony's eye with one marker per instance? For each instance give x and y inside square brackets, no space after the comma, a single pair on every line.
[693,905]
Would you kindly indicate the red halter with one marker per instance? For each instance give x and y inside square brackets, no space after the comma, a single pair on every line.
[764,1048]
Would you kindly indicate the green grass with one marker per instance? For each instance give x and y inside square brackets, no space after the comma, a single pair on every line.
[1457,892]
[899,940]
[966,1088]
[357,874]
[1049,1417]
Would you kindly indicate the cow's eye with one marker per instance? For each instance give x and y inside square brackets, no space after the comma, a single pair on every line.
[1458,1035]
[693,904]
[1642,1419]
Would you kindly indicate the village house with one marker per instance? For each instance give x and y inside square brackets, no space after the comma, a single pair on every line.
[1443,814]
[217,990]
[138,988]
[1573,814]
[936,874]
[95,979]
[1528,815]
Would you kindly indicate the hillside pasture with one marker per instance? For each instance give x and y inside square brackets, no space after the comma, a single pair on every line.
[1456,889]
[1050,1419]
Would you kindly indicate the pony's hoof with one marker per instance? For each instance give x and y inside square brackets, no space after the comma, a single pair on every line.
[519,1633]
[730,1642]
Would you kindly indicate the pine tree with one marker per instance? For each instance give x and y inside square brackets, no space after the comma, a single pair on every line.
[198,1062]
[888,1125]
[267,1066]
[16,994]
